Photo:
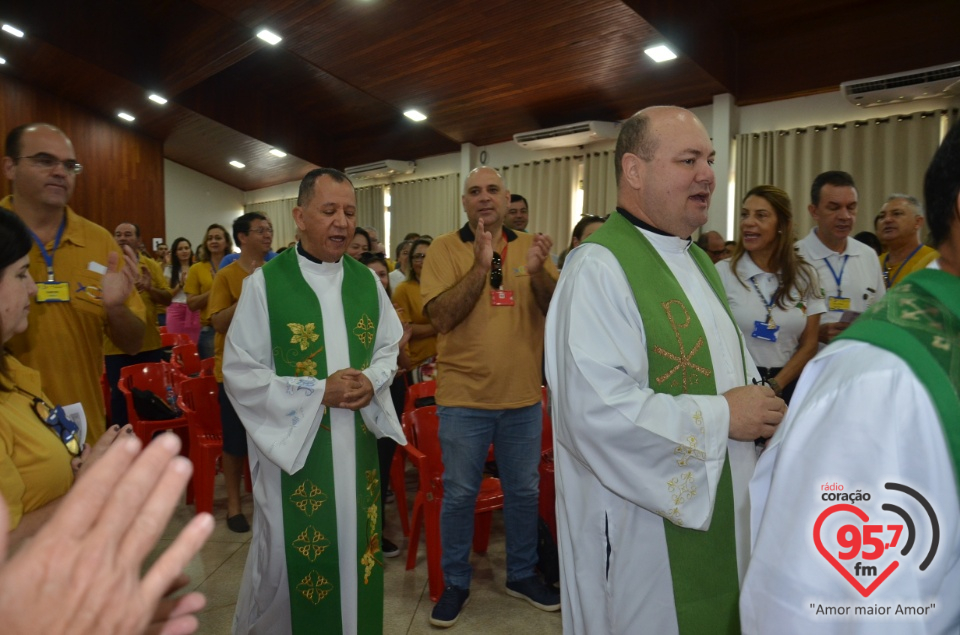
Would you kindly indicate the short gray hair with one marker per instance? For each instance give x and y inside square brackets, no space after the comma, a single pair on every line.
[912,200]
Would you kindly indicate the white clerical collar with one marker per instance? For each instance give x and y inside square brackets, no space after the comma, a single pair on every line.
[311,264]
[666,243]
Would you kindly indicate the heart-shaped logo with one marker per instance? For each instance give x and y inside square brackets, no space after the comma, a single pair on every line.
[862,515]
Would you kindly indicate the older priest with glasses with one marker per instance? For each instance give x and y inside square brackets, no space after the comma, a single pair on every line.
[313,395]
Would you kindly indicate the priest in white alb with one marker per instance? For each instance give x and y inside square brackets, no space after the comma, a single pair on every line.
[308,363]
[654,419]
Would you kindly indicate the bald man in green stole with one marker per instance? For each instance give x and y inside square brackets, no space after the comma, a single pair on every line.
[654,418]
[308,363]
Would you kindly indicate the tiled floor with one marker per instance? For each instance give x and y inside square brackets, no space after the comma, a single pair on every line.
[217,571]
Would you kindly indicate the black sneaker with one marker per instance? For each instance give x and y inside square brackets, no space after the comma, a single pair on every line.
[238,524]
[448,607]
[534,591]
[390,550]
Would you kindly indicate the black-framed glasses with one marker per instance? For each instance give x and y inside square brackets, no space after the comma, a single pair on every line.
[48,162]
[261,230]
[496,271]
[56,419]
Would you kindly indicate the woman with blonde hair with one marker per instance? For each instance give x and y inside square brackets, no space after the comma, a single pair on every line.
[774,294]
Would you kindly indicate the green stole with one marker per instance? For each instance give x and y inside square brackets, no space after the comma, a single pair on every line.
[309,503]
[703,564]
[918,320]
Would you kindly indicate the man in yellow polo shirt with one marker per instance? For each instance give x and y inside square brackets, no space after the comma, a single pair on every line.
[155,293]
[486,289]
[86,282]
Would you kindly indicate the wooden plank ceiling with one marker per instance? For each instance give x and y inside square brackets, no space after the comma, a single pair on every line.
[334,90]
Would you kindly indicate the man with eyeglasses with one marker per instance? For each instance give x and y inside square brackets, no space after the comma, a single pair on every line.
[486,290]
[253,233]
[86,281]
[712,243]
[154,291]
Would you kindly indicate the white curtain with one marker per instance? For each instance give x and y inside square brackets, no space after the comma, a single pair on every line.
[599,183]
[280,213]
[370,207]
[884,156]
[549,187]
[425,206]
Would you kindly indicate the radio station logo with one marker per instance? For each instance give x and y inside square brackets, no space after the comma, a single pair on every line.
[866,550]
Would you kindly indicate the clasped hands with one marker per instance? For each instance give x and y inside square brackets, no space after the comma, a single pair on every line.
[347,388]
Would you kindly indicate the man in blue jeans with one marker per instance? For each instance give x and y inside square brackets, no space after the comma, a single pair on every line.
[486,289]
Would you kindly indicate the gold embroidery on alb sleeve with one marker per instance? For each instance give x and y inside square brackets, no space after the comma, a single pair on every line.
[683,487]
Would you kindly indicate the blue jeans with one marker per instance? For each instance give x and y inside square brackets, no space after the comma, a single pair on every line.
[465,436]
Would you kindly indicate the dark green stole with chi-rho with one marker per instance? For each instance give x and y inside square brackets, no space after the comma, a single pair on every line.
[703,564]
[308,499]
[918,320]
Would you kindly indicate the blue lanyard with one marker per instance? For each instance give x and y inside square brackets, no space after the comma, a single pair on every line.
[766,303]
[887,278]
[835,276]
[48,256]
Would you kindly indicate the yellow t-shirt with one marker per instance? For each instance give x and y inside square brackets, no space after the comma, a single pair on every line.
[407,297]
[151,336]
[200,280]
[34,463]
[64,340]
[919,261]
[224,294]
[492,360]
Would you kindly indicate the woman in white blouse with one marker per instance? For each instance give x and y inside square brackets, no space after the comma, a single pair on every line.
[774,294]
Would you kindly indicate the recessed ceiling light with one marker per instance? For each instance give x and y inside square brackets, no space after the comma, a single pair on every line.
[269,37]
[237,164]
[12,30]
[414,114]
[660,53]
[278,153]
[126,116]
[157,99]
[2,61]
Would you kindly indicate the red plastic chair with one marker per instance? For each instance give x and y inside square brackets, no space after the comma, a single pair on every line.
[199,403]
[186,359]
[155,377]
[418,391]
[206,366]
[169,340]
[426,507]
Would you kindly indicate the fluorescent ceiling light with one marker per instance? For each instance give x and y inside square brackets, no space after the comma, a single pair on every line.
[125,116]
[12,30]
[237,164]
[660,53]
[278,153]
[269,37]
[157,99]
[414,114]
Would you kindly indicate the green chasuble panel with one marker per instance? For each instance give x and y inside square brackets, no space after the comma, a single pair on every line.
[918,320]
[309,502]
[703,564]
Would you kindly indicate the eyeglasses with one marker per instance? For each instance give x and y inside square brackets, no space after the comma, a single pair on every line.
[262,230]
[56,419]
[418,256]
[48,162]
[496,271]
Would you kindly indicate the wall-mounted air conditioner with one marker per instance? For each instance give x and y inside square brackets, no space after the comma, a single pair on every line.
[381,169]
[576,134]
[936,81]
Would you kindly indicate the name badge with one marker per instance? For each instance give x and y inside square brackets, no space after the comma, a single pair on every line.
[53,292]
[499,297]
[763,331]
[835,303]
